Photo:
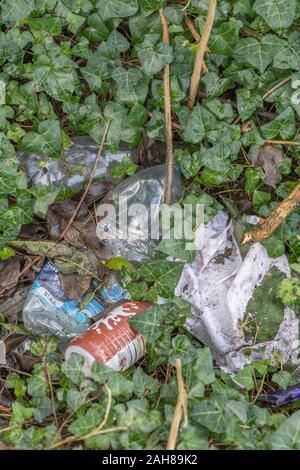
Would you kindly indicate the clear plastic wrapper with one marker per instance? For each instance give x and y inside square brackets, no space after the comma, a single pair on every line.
[75,165]
[143,194]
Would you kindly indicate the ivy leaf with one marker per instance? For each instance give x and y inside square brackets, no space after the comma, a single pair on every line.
[177,249]
[72,368]
[20,413]
[224,40]
[125,167]
[54,73]
[253,179]
[258,53]
[267,314]
[150,5]
[117,42]
[42,407]
[154,57]
[274,246]
[37,385]
[148,322]
[210,414]
[43,198]
[245,377]
[283,127]
[17,10]
[116,8]
[277,14]
[199,123]
[183,349]
[144,383]
[88,422]
[247,103]
[163,274]
[287,436]
[289,56]
[283,379]
[46,141]
[76,398]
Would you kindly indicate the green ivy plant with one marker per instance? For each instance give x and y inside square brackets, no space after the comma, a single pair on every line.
[67,67]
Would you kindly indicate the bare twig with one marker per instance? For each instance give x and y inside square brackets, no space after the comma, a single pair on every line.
[168,115]
[267,226]
[274,88]
[196,36]
[200,53]
[70,439]
[283,142]
[181,405]
[51,394]
[65,230]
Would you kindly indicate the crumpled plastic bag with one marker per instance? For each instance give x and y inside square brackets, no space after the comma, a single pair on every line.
[147,187]
[219,284]
[74,167]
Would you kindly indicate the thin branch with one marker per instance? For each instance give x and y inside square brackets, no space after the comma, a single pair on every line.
[181,405]
[51,394]
[200,53]
[283,142]
[280,84]
[70,439]
[168,114]
[197,38]
[65,230]
[266,227]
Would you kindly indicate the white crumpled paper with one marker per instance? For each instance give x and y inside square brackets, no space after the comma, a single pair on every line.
[219,284]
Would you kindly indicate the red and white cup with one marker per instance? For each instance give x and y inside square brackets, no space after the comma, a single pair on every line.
[111,340]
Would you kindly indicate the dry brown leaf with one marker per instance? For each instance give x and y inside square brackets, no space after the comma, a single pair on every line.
[269,158]
[150,152]
[9,273]
[12,306]
[59,214]
[96,191]
[75,285]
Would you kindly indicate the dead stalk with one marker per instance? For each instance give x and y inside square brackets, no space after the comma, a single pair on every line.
[181,405]
[282,142]
[200,53]
[51,394]
[196,36]
[266,227]
[168,115]
[274,88]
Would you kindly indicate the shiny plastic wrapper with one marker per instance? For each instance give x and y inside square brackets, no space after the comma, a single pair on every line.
[143,194]
[75,166]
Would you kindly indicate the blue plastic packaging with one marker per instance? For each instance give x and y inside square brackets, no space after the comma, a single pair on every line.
[47,310]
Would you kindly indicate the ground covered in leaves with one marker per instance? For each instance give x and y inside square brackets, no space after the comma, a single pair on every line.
[67,68]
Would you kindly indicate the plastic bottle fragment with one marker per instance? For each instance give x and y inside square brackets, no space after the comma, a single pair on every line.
[47,310]
[142,195]
[75,165]
[112,291]
[111,340]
